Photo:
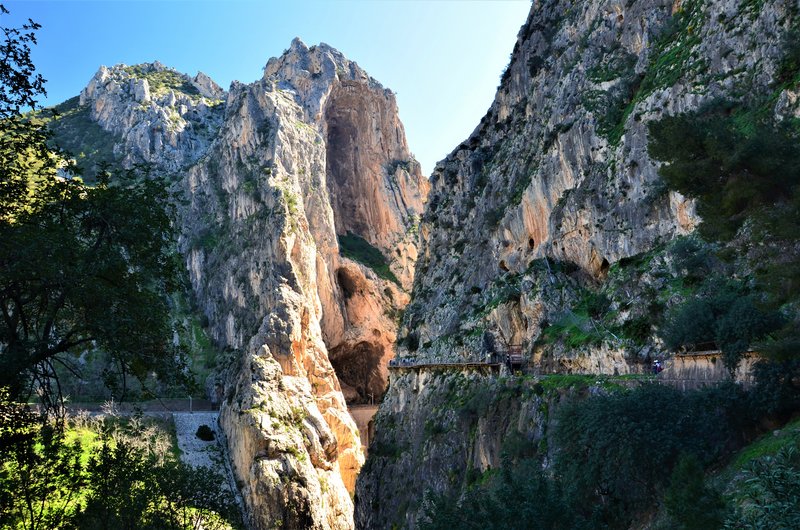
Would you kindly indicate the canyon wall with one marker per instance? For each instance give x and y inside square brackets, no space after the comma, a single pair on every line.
[299,202]
[551,202]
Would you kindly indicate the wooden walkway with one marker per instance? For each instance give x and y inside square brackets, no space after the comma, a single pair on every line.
[444,366]
[511,356]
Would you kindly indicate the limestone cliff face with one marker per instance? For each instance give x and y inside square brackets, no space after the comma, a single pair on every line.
[552,195]
[558,167]
[273,174]
[166,119]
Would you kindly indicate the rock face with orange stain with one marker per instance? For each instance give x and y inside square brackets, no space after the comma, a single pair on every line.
[274,174]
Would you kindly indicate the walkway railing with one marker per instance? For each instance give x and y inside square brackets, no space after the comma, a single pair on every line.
[512,357]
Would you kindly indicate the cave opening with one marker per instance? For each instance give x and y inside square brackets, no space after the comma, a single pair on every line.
[357,367]
[346,282]
[604,266]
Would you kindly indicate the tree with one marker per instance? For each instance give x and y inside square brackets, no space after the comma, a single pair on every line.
[729,158]
[770,489]
[618,451]
[89,269]
[518,496]
[130,490]
[690,503]
[81,267]
[40,474]
[742,165]
[723,313]
[23,149]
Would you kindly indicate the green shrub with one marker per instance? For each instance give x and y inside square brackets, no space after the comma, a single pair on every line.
[735,164]
[519,495]
[82,138]
[723,313]
[690,503]
[163,80]
[770,493]
[619,450]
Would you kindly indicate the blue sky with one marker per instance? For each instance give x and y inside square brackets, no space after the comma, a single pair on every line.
[443,59]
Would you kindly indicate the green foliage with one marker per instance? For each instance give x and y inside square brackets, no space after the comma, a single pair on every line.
[673,51]
[520,186]
[161,81]
[81,267]
[690,503]
[581,326]
[596,304]
[359,249]
[743,167]
[76,133]
[692,259]
[90,266]
[394,165]
[619,450]
[41,468]
[553,382]
[777,391]
[672,59]
[735,169]
[36,464]
[505,288]
[768,445]
[574,329]
[618,456]
[518,496]
[770,498]
[751,8]
[613,65]
[24,155]
[129,489]
[637,329]
[612,107]
[722,313]
[76,478]
[789,67]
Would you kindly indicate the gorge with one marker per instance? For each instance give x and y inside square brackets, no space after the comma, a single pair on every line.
[326,266]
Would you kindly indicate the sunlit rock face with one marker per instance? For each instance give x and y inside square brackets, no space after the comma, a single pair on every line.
[272,174]
[544,202]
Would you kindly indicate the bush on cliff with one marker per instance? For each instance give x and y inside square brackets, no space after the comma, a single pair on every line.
[723,313]
[742,165]
[618,451]
[520,495]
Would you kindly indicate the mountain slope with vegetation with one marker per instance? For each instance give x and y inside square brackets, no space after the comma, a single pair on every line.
[630,194]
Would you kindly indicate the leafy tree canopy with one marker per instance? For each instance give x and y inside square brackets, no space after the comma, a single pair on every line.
[81,267]
[736,164]
[742,165]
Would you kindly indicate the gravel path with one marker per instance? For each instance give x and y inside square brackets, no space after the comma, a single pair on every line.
[195,451]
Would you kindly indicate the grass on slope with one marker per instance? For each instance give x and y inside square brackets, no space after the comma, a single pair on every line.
[358,249]
[767,445]
[75,132]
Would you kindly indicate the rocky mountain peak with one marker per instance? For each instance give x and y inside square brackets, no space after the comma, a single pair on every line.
[164,118]
[310,73]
